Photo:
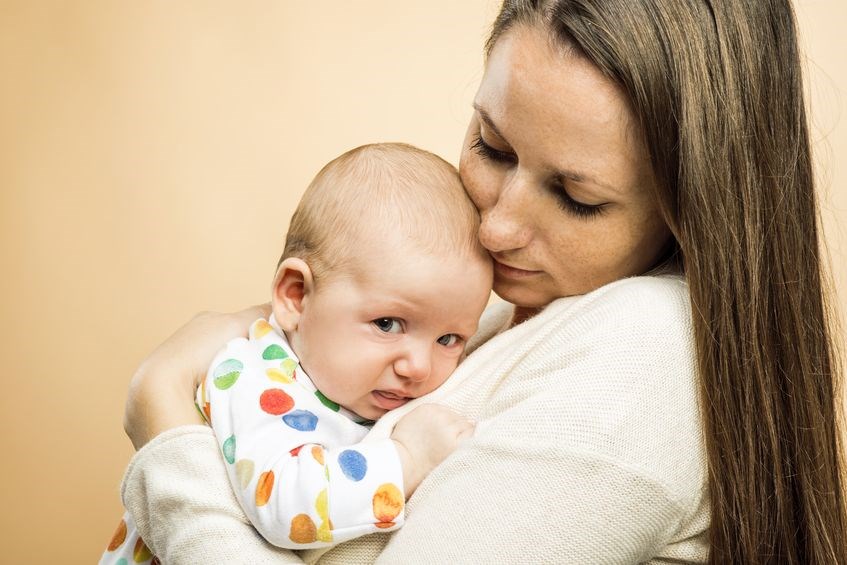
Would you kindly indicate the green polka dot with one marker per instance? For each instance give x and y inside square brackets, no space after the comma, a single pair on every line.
[327,402]
[227,373]
[229,450]
[121,561]
[274,352]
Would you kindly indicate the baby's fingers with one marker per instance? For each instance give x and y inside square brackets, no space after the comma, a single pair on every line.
[464,429]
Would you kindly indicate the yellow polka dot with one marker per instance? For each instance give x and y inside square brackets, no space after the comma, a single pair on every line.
[260,329]
[244,471]
[289,367]
[279,376]
[322,505]
[141,553]
[324,532]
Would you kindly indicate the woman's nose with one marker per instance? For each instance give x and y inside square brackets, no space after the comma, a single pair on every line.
[505,226]
[415,363]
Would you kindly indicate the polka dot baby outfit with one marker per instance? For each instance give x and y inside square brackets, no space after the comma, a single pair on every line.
[294,458]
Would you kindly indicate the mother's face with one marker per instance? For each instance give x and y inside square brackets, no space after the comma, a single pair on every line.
[561,179]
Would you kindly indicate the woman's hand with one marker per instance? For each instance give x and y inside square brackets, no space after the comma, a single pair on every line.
[161,393]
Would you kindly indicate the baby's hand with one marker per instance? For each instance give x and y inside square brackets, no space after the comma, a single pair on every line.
[424,438]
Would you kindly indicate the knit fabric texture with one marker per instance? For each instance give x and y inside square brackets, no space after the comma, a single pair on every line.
[588,449]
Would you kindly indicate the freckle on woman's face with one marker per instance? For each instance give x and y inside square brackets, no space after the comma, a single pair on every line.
[554,162]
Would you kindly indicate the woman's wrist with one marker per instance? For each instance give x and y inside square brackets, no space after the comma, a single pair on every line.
[158,400]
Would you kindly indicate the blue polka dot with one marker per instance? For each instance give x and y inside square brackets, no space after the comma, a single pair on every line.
[353,464]
[301,420]
[121,561]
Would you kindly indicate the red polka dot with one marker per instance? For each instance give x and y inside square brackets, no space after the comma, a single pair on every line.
[276,402]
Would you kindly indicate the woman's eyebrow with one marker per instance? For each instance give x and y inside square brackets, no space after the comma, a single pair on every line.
[576,176]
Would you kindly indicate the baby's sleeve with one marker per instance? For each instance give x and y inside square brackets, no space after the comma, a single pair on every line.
[297,466]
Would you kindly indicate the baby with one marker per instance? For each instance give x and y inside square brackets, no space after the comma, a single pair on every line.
[381,283]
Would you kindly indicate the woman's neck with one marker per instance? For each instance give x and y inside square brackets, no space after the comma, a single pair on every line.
[522,314]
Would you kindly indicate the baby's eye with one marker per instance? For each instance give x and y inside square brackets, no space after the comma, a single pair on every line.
[388,325]
[448,340]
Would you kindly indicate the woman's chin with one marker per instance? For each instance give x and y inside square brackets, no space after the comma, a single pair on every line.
[521,296]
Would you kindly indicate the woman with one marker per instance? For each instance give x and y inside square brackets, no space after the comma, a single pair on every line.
[620,419]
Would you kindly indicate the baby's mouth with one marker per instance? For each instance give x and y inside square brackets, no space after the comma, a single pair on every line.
[388,400]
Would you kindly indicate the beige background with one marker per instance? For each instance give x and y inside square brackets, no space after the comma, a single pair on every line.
[150,156]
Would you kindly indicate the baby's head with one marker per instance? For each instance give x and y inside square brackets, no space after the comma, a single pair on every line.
[382,279]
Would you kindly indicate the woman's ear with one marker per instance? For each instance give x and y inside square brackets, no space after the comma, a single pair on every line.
[292,284]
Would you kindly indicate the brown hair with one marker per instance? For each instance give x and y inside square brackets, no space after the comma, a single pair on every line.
[716,89]
[393,187]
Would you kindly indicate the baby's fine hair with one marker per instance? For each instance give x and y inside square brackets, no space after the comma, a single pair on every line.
[381,190]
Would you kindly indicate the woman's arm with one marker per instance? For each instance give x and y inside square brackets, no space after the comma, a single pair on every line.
[176,487]
[177,491]
[161,393]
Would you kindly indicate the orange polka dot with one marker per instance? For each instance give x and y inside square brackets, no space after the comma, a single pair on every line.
[303,529]
[264,488]
[318,454]
[118,538]
[387,504]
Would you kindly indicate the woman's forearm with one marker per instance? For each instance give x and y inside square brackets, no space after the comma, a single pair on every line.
[161,394]
[177,491]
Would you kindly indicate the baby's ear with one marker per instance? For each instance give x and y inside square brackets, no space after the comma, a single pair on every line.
[292,283]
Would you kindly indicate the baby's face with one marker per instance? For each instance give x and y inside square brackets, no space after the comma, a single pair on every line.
[393,332]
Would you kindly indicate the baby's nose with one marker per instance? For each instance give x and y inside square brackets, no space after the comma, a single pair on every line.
[415,364]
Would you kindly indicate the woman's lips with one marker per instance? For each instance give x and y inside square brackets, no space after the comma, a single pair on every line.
[512,272]
[389,400]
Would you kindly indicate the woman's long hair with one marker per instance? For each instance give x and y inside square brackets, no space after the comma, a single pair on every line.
[716,88]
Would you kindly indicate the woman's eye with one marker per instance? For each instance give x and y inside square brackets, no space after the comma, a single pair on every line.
[568,204]
[388,325]
[487,152]
[448,340]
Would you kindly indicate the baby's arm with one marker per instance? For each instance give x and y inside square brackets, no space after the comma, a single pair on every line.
[424,438]
[306,485]
[295,482]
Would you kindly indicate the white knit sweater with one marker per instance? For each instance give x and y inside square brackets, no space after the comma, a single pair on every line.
[588,449]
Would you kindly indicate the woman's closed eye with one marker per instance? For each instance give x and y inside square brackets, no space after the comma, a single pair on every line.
[388,325]
[557,187]
[568,204]
[487,152]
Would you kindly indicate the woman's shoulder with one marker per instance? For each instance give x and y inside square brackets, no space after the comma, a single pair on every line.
[641,316]
[614,374]
[646,300]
